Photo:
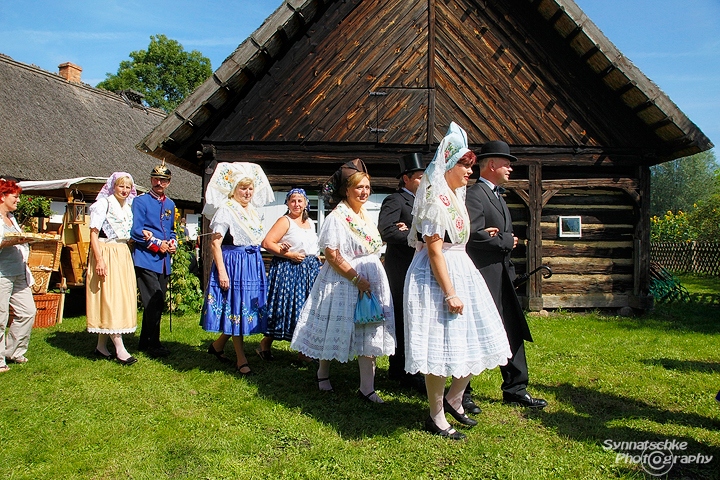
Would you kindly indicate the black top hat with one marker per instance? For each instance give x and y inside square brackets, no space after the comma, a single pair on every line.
[411,162]
[496,148]
[161,171]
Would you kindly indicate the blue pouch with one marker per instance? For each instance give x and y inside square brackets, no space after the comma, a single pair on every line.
[368,309]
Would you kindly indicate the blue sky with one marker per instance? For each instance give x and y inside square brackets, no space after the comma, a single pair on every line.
[676,44]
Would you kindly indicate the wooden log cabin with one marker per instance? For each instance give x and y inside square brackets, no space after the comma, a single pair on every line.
[323,81]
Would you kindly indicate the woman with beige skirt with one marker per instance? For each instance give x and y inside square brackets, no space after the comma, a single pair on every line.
[111,285]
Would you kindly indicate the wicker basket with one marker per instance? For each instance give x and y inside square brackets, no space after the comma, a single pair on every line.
[47,309]
[45,253]
[42,279]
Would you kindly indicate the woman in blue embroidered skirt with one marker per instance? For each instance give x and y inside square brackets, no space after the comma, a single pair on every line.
[294,266]
[351,242]
[236,295]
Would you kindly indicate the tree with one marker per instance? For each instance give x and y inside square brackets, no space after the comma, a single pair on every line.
[678,185]
[165,73]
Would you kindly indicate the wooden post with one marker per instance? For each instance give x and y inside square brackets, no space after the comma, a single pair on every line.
[534,248]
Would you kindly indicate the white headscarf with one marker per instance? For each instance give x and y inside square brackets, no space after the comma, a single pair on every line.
[438,209]
[223,181]
[109,188]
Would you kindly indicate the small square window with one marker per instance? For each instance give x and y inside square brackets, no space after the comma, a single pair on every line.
[569,226]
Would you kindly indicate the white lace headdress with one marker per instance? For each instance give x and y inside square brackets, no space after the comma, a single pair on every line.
[224,179]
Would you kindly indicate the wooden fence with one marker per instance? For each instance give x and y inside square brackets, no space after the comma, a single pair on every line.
[702,258]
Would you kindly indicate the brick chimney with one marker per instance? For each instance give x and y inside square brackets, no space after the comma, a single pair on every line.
[70,72]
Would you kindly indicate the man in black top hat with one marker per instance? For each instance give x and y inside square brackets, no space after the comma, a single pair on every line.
[490,245]
[394,225]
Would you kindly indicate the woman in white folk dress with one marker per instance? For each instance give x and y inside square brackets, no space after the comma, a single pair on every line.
[452,328]
[351,242]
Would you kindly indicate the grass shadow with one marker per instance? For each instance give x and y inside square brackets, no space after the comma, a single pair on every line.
[684,365]
[596,418]
[284,382]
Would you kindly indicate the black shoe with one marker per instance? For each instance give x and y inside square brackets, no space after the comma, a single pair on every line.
[128,361]
[326,379]
[99,354]
[367,397]
[249,373]
[524,400]
[469,406]
[449,432]
[460,417]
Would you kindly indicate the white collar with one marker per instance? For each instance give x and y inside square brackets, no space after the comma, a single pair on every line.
[408,191]
[488,183]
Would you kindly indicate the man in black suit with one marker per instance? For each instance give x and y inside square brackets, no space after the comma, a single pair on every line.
[394,224]
[491,242]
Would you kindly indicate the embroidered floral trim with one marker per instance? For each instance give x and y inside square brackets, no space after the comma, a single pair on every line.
[249,221]
[366,232]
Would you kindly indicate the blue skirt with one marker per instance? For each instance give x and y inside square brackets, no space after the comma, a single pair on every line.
[240,310]
[290,284]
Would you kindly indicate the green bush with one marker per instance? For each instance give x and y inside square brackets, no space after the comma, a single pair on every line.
[184,292]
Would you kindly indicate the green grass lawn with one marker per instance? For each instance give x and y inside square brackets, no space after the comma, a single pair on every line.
[652,378]
[700,284]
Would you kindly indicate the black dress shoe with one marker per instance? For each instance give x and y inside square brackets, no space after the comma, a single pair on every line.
[460,417]
[469,406]
[99,354]
[449,432]
[524,400]
[128,361]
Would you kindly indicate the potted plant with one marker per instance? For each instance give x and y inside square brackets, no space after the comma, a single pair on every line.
[30,206]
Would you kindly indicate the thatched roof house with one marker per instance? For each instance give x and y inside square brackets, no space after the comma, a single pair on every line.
[55,128]
[324,81]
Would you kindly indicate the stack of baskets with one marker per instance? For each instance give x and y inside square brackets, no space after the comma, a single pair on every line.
[43,262]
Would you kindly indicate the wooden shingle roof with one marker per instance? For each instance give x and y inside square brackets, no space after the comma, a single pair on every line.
[55,129]
[537,73]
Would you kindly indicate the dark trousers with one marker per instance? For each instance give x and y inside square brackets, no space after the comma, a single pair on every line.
[514,374]
[152,286]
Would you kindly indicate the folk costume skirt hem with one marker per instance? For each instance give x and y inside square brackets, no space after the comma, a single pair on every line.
[445,344]
[289,286]
[240,310]
[111,301]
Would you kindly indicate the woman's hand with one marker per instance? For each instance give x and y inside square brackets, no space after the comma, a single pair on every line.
[223,280]
[455,305]
[363,285]
[100,267]
[492,231]
[296,257]
[147,235]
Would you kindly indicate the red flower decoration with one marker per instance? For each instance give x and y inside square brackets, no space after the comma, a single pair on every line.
[445,200]
[459,223]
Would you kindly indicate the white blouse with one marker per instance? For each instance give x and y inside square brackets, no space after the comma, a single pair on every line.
[301,239]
